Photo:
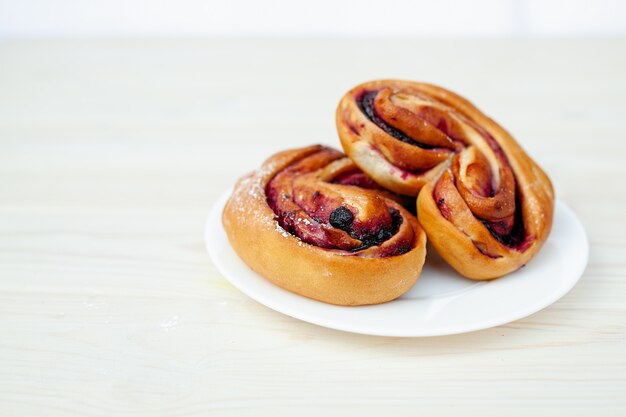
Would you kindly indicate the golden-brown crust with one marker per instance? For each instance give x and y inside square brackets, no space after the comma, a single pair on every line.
[484,204]
[327,274]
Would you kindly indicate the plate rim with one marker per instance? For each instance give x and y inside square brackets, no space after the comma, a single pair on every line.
[304,315]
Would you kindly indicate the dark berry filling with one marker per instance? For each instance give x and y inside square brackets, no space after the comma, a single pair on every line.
[366,104]
[383,233]
[517,236]
[341,218]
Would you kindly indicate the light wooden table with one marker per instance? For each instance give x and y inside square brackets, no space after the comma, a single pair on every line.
[112,153]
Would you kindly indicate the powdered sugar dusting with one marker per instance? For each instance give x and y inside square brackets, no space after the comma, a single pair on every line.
[303,220]
[252,187]
[282,231]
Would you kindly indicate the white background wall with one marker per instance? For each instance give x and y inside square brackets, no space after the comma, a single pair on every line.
[35,18]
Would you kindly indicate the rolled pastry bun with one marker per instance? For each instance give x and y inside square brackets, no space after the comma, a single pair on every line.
[312,223]
[484,204]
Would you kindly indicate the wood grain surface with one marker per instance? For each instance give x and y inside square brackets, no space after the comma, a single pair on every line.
[113,151]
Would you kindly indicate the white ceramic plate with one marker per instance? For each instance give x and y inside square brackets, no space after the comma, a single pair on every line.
[441,302]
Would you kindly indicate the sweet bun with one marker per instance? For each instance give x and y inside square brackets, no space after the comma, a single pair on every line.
[484,204]
[312,223]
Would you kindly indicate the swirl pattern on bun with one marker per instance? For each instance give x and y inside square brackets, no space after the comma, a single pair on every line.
[484,204]
[312,222]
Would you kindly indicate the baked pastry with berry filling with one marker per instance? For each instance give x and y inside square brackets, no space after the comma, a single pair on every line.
[311,222]
[484,204]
